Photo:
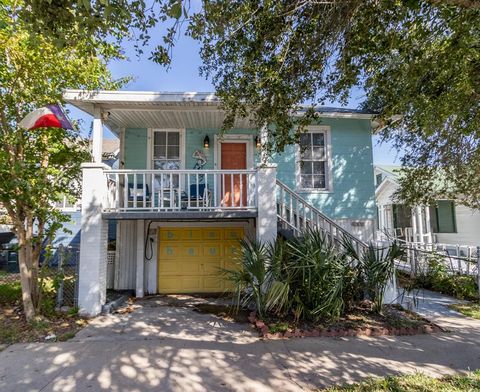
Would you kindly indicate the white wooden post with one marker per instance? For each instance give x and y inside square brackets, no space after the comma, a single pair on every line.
[97,136]
[266,203]
[139,286]
[428,224]
[420,223]
[264,142]
[414,224]
[92,284]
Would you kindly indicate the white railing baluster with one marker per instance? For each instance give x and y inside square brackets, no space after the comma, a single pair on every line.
[205,195]
[232,192]
[162,191]
[144,186]
[125,191]
[157,190]
[117,191]
[152,191]
[241,190]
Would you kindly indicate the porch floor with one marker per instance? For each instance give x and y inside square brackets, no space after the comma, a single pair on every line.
[179,215]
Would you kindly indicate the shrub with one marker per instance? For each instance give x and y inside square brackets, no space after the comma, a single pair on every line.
[310,278]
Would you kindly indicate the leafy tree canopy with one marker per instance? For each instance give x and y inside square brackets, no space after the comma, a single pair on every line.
[38,168]
[418,62]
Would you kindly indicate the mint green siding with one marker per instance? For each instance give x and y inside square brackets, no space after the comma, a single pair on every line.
[194,141]
[136,145]
[353,195]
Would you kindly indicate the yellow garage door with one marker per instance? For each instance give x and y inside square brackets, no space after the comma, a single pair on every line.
[190,260]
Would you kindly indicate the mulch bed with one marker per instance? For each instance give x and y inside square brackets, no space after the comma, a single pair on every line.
[58,327]
[362,321]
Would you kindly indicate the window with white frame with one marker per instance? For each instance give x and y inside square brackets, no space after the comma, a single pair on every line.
[313,160]
[166,150]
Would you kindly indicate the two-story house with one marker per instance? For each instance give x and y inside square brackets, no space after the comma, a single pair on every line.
[184,194]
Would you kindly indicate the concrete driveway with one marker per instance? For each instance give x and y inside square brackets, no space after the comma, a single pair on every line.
[160,347]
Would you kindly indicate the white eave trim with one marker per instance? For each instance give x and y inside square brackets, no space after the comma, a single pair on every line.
[383,184]
[85,98]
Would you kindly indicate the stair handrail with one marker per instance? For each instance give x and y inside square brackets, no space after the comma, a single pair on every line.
[358,242]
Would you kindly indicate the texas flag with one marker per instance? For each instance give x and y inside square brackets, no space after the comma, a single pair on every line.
[50,116]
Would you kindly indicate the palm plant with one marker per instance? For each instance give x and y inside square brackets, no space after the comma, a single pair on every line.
[249,279]
[375,268]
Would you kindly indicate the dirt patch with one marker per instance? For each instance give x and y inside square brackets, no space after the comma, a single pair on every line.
[361,321]
[58,327]
[226,312]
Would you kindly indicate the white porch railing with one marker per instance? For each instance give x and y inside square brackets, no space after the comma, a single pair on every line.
[180,190]
[298,215]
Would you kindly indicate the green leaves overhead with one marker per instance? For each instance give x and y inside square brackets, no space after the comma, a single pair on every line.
[417,61]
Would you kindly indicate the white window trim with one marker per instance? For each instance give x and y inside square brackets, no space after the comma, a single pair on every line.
[151,131]
[328,161]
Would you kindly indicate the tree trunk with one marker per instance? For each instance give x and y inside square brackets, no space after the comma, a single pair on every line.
[25,277]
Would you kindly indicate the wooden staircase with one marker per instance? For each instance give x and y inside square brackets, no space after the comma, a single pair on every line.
[295,216]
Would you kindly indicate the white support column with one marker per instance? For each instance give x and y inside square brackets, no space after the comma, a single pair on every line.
[420,224]
[264,142]
[97,136]
[92,286]
[428,224]
[139,286]
[266,203]
[414,224]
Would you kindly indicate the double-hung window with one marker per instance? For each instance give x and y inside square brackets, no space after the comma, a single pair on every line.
[166,155]
[166,150]
[313,161]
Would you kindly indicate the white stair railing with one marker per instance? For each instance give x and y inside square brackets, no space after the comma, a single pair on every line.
[298,215]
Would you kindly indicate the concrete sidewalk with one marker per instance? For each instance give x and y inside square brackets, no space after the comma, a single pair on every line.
[164,348]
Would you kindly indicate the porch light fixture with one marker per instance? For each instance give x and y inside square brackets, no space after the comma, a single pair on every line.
[206,142]
[258,142]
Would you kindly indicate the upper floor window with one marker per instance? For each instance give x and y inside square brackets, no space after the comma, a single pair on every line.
[313,160]
[166,150]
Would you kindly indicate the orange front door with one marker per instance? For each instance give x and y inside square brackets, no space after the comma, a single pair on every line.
[234,186]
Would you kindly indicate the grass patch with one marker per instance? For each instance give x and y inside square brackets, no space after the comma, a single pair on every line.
[416,383]
[470,309]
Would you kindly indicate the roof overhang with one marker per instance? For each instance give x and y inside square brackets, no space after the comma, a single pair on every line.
[134,109]
[388,181]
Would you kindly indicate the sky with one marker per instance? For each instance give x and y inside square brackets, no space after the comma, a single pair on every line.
[182,76]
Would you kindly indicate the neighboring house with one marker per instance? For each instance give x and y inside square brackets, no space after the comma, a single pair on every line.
[445,222]
[70,236]
[184,194]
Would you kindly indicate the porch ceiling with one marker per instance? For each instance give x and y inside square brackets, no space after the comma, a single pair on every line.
[140,109]
[153,110]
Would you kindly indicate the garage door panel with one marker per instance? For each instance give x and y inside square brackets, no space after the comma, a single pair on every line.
[170,251]
[212,250]
[213,284]
[192,260]
[191,250]
[212,233]
[233,233]
[171,234]
[232,250]
[191,234]
[212,268]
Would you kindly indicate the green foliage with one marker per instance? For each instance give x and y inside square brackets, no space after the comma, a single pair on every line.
[38,168]
[309,278]
[436,278]
[10,293]
[376,267]
[417,61]
[415,383]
